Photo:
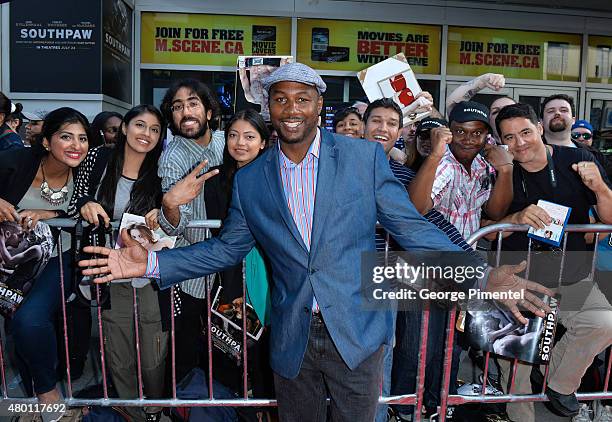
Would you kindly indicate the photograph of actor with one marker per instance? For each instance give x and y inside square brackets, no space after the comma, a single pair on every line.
[321,345]
[23,254]
[570,177]
[497,330]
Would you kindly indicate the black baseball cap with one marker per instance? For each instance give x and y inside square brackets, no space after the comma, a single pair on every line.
[429,123]
[469,111]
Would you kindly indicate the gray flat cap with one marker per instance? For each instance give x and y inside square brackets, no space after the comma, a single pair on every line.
[295,72]
[34,116]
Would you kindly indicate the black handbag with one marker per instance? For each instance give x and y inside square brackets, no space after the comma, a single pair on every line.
[84,289]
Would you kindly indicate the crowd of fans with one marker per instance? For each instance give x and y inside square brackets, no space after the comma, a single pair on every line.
[478,166]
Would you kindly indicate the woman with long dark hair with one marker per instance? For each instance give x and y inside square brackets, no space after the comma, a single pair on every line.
[112,182]
[37,184]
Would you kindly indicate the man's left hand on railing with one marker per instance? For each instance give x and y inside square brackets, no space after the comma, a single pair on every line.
[503,279]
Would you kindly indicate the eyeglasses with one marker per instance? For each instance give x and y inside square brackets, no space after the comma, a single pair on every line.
[586,136]
[190,105]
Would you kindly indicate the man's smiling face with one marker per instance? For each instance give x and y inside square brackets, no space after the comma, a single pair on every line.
[383,126]
[294,111]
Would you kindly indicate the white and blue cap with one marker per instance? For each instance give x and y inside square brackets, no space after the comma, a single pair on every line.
[583,124]
[295,72]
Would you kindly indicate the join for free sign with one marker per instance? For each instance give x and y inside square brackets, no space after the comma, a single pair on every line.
[354,45]
[197,39]
[516,54]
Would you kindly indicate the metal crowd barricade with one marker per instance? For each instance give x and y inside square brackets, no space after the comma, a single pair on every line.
[415,399]
[452,400]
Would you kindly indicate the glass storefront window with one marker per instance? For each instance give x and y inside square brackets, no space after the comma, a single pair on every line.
[599,69]
[600,117]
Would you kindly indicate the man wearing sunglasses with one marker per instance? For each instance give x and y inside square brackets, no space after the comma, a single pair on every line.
[582,132]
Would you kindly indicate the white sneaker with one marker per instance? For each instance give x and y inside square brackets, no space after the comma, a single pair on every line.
[602,413]
[583,414]
[476,390]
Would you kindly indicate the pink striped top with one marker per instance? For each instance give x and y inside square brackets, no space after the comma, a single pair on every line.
[300,187]
[458,195]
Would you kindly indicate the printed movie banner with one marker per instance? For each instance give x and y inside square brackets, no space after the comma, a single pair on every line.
[55,46]
[355,45]
[218,40]
[515,54]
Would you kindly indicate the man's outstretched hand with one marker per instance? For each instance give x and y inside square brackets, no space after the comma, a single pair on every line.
[114,264]
[504,278]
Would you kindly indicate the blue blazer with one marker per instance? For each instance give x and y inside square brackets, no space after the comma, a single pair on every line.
[355,189]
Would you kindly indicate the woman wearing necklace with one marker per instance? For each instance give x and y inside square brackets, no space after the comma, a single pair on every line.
[37,184]
[113,181]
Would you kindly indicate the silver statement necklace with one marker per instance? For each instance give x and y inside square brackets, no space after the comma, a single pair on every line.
[52,196]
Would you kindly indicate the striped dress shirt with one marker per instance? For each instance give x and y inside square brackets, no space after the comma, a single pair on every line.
[300,186]
[458,195]
[406,175]
[177,161]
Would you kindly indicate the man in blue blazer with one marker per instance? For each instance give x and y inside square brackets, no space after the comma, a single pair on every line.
[312,204]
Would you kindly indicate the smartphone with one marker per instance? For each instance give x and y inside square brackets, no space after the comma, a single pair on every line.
[320,43]
[264,33]
[337,54]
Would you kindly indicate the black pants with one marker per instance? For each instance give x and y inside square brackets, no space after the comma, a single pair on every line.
[187,337]
[353,393]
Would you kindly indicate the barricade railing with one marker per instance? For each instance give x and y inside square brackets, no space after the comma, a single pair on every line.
[451,400]
[415,398]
